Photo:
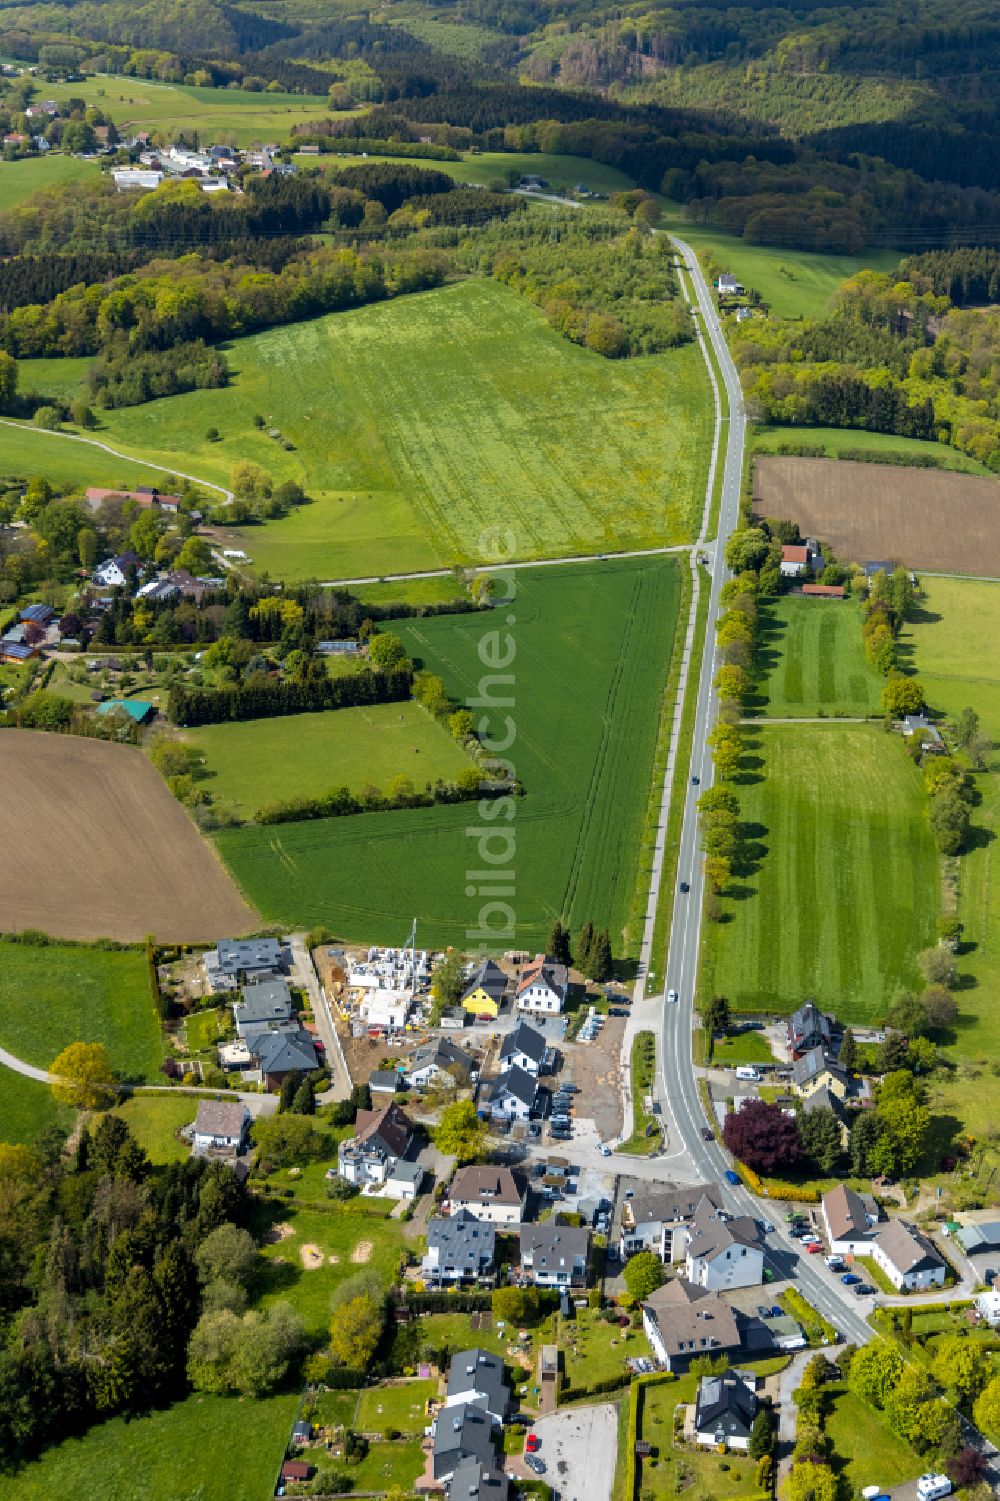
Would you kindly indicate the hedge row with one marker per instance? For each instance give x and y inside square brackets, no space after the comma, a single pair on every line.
[342,803]
[188,706]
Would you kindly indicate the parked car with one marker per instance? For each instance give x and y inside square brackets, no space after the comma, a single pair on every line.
[532,1443]
[813,1247]
[849,1279]
[811,1238]
[707,1134]
[864,1290]
[832,1262]
[534,1463]
[604,1149]
[763,1311]
[570,1088]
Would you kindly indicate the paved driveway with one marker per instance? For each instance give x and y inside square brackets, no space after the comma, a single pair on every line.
[579,1446]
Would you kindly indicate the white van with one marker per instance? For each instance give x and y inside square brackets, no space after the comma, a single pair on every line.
[933,1487]
[746,1071]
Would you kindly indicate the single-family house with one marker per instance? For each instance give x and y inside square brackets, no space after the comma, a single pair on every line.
[794,559]
[809,1028]
[512,1096]
[819,1069]
[656,1217]
[909,1258]
[682,1321]
[473,1481]
[282,1051]
[918,727]
[461,1433]
[988,1307]
[16,652]
[220,1128]
[478,1376]
[265,1003]
[524,1048]
[234,961]
[849,1220]
[542,986]
[404,1180]
[459,1249]
[40,615]
[976,1237]
[555,1255]
[296,1470]
[113,572]
[384,1083]
[439,1062]
[728,285]
[723,1251]
[490,1193]
[484,993]
[878,565]
[724,1410]
[381,1138]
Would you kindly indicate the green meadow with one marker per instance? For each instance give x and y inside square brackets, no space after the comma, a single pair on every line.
[592,650]
[68,464]
[837,440]
[265,761]
[484,168]
[19,181]
[203,1449]
[154,1120]
[811,661]
[346,1242]
[54,995]
[424,425]
[27,1107]
[951,644]
[842,892]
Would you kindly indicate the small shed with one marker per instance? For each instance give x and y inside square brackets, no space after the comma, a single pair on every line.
[296,1469]
[549,1363]
[137,709]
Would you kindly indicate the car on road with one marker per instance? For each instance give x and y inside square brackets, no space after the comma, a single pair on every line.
[849,1279]
[604,1149]
[532,1443]
[732,1177]
[707,1134]
[813,1247]
[864,1290]
[696,781]
[685,888]
[672,997]
[534,1463]
[767,1227]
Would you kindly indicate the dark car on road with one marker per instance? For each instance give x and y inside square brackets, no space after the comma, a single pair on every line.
[707,1134]
[863,1290]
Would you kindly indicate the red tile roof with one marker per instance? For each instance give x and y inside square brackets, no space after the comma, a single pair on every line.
[828,591]
[794,554]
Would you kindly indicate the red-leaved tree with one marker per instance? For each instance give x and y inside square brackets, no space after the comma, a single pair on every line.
[763,1137]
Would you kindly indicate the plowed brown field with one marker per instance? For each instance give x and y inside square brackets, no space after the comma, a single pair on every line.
[921,517]
[95,846]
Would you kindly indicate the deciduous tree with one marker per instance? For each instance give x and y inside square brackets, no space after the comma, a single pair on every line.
[460,1133]
[902,695]
[643,1274]
[762,1136]
[83,1077]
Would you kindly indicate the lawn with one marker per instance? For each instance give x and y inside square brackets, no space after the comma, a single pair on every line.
[697,1474]
[387,1465]
[603,630]
[154,1120]
[203,1029]
[426,591]
[27,1107]
[268,760]
[21,180]
[810,661]
[348,1243]
[65,463]
[837,440]
[594,1350]
[237,114]
[423,424]
[867,1451]
[202,1449]
[402,1406]
[646,1136]
[65,378]
[952,646]
[58,994]
[743,1047]
[844,892]
[485,168]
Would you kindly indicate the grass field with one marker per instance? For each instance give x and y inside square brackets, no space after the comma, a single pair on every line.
[402,1406]
[430,591]
[867,1451]
[421,425]
[268,760]
[21,180]
[837,440]
[845,892]
[592,651]
[232,115]
[487,167]
[202,1449]
[67,465]
[27,1107]
[52,996]
[347,1242]
[952,646]
[811,660]
[154,1118]
[743,1047]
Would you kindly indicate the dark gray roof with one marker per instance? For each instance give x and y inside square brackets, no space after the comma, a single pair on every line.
[489,977]
[524,1039]
[554,1248]
[724,1402]
[383,1078]
[248,953]
[672,1205]
[712,1232]
[810,1021]
[281,1052]
[984,1236]
[264,1001]
[473,1481]
[813,1063]
[462,1238]
[908,1248]
[464,1431]
[517,1082]
[479,1372]
[441,1053]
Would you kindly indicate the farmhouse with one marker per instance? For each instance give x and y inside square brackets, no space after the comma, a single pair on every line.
[555,1255]
[489,1193]
[381,1138]
[656,1218]
[439,1062]
[724,1411]
[879,565]
[809,1028]
[723,1252]
[794,560]
[459,1249]
[918,727]
[512,1096]
[728,285]
[524,1048]
[542,986]
[146,496]
[909,1259]
[484,994]
[220,1128]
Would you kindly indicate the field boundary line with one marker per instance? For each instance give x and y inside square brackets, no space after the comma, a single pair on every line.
[560,562]
[23,427]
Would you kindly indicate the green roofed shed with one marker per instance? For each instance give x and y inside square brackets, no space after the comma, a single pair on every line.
[138,709]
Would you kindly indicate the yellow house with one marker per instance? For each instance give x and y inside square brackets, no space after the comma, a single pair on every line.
[485,991]
[819,1069]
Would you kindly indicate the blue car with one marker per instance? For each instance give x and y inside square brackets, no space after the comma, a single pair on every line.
[732,1177]
[849,1279]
